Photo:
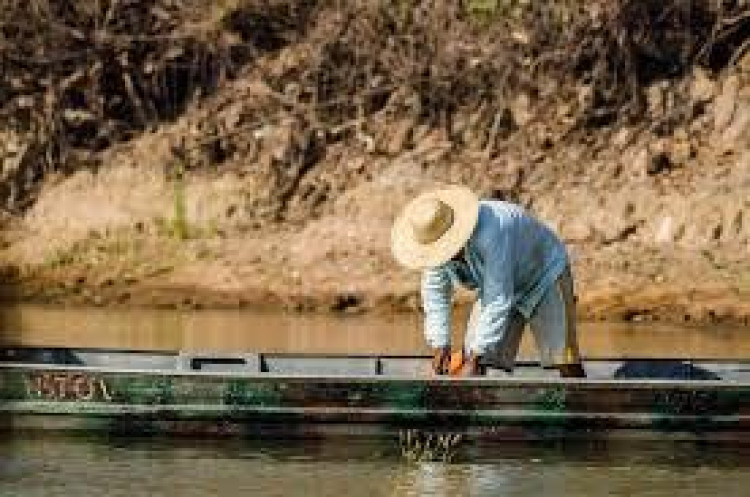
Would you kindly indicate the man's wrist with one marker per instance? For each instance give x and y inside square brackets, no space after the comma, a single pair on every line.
[441,358]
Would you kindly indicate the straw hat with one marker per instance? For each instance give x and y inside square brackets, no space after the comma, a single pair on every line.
[433,227]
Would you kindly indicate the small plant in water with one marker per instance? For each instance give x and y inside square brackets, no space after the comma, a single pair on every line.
[420,446]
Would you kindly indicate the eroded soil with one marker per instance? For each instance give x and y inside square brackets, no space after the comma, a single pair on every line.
[247,199]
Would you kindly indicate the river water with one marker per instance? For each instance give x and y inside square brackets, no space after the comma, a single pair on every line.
[230,330]
[53,466]
[85,466]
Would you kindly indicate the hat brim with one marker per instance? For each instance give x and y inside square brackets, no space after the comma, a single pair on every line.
[412,254]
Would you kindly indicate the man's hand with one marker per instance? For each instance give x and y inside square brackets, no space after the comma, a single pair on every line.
[466,365]
[441,360]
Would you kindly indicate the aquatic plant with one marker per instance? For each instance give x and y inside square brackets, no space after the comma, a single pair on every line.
[423,446]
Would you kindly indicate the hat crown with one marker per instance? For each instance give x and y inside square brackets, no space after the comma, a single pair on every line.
[430,218]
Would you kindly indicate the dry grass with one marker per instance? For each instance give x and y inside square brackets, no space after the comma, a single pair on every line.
[80,76]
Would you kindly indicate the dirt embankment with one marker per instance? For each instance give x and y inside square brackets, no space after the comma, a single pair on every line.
[254,153]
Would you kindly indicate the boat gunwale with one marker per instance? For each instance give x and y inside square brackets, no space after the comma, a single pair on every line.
[357,355]
[487,381]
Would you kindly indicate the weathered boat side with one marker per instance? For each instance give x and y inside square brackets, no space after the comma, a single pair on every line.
[187,402]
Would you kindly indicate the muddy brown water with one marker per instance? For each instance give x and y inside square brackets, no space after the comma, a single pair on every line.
[80,467]
[227,330]
[93,466]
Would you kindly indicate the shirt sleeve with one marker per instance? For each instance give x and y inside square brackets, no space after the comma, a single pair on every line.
[497,291]
[437,295]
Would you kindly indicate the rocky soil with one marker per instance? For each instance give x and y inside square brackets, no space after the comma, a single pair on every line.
[273,181]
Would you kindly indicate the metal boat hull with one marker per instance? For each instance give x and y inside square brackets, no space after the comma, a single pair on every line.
[385,397]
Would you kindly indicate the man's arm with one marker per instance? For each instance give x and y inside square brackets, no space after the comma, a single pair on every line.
[437,294]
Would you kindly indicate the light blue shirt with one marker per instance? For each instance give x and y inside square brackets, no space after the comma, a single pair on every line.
[511,259]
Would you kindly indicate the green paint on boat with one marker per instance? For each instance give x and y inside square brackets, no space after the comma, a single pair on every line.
[240,392]
[551,399]
[123,401]
[13,387]
[146,390]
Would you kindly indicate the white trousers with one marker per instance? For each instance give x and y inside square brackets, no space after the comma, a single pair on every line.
[552,324]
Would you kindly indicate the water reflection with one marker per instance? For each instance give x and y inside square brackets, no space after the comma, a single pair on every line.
[654,468]
[224,330]
[126,467]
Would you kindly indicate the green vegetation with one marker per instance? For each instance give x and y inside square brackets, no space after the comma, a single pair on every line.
[121,249]
[179,224]
[423,446]
[484,10]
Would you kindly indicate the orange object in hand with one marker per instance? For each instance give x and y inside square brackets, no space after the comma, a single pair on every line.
[462,364]
[457,363]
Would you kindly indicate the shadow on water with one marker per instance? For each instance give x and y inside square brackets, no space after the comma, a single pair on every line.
[601,451]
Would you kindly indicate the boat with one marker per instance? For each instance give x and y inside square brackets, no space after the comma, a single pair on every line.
[318,395]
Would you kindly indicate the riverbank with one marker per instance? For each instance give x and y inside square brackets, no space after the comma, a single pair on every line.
[273,182]
[328,268]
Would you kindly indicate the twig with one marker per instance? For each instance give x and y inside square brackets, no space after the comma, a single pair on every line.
[739,52]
